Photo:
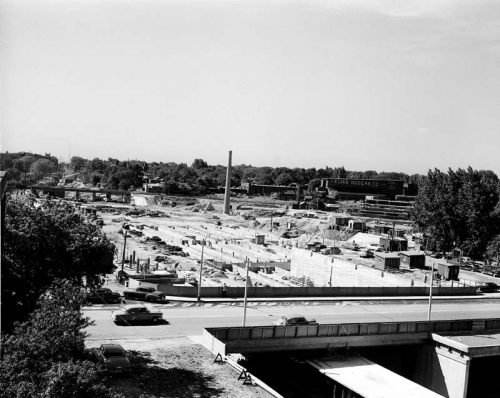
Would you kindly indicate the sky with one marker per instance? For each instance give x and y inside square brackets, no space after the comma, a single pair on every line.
[379,85]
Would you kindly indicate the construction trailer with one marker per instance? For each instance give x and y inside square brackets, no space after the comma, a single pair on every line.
[412,259]
[448,271]
[387,260]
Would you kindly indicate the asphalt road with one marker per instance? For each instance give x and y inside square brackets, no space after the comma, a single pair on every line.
[189,319]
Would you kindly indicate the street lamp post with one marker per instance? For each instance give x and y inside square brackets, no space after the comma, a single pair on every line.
[124,247]
[201,270]
[246,296]
[430,292]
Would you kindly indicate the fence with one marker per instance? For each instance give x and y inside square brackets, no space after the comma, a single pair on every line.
[336,291]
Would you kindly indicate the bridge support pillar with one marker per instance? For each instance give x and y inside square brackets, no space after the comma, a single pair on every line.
[443,371]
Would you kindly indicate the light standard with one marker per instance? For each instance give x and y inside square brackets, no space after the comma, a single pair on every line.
[246,295]
[430,292]
[201,269]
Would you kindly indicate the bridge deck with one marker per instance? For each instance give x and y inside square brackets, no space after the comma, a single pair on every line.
[287,338]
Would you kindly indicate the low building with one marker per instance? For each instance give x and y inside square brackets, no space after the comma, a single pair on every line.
[412,259]
[387,260]
[395,244]
[448,271]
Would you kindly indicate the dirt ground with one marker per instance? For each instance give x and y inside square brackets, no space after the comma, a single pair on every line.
[229,240]
[180,372]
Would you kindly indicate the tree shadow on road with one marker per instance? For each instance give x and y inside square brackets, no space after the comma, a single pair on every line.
[151,378]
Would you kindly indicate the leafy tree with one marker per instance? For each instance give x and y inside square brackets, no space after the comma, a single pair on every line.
[284,178]
[493,249]
[45,243]
[457,209]
[78,163]
[199,164]
[43,356]
[42,167]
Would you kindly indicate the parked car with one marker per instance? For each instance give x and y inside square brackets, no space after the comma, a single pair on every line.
[136,314]
[295,320]
[146,294]
[331,251]
[112,356]
[103,295]
[488,287]
[366,254]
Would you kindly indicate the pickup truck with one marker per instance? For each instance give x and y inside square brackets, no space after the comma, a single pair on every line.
[103,295]
[146,294]
[136,314]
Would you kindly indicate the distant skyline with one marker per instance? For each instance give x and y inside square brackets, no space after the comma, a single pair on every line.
[365,84]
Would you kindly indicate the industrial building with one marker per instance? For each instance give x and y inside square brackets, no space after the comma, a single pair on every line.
[285,192]
[359,189]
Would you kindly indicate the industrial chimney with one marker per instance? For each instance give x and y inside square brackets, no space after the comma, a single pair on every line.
[227,196]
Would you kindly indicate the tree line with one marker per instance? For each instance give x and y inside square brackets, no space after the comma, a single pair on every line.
[179,178]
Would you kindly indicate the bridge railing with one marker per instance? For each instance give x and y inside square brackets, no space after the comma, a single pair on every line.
[350,329]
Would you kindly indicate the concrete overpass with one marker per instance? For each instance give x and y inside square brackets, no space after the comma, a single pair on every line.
[61,191]
[442,354]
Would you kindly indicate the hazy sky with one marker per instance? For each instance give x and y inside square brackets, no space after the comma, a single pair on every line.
[368,84]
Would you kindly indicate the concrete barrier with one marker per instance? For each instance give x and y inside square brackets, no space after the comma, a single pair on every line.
[341,291]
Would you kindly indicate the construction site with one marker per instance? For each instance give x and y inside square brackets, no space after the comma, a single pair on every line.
[210,246]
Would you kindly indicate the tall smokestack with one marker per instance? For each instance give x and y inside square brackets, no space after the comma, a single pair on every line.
[227,196]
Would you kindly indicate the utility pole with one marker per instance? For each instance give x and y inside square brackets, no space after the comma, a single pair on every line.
[246,296]
[124,247]
[201,269]
[430,293]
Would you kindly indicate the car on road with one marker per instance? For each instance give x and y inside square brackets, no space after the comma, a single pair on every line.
[103,296]
[112,356]
[294,320]
[488,287]
[331,251]
[366,254]
[146,294]
[136,314]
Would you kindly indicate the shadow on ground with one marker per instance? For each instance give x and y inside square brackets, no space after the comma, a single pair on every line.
[152,378]
[136,323]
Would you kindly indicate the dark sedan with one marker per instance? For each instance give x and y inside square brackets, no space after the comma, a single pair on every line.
[112,356]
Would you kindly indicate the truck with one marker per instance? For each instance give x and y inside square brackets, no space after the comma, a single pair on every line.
[350,245]
[136,314]
[145,294]
[103,295]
